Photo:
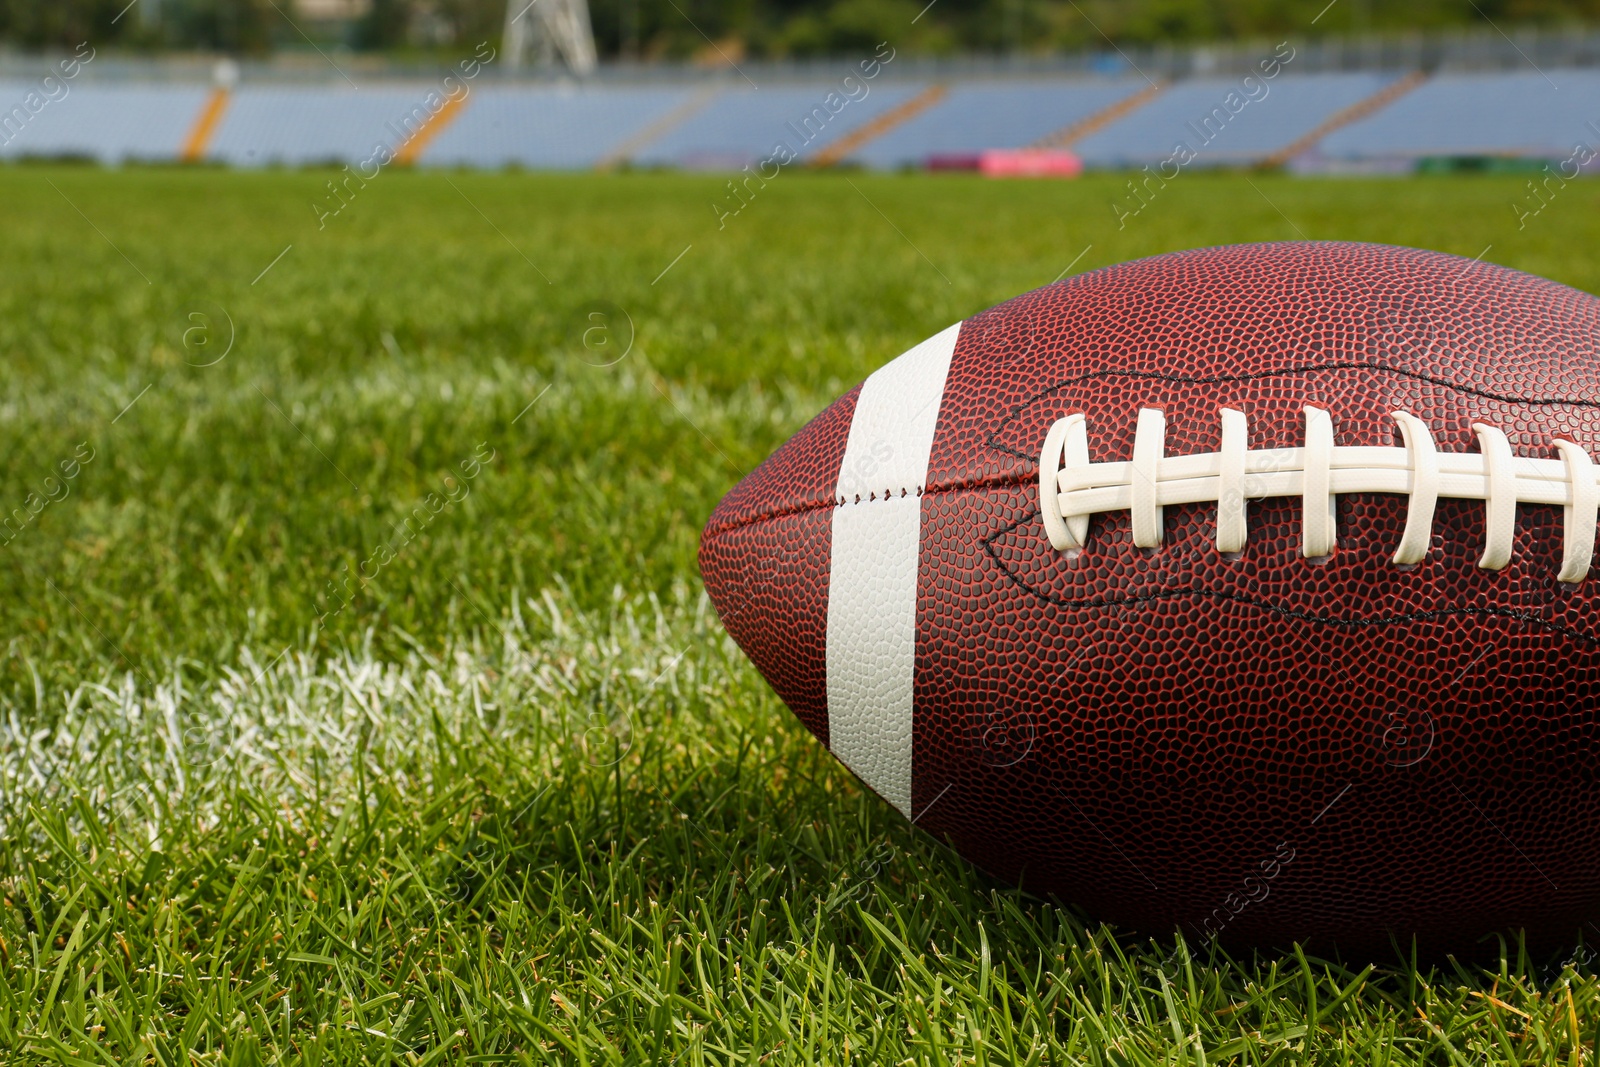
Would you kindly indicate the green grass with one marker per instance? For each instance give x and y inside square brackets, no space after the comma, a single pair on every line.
[521,800]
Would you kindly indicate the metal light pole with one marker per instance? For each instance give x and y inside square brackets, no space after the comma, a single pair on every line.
[553,30]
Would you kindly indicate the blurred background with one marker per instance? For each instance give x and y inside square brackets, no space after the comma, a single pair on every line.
[1000,86]
[655,31]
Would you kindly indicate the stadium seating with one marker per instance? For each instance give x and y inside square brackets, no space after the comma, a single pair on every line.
[974,117]
[1327,118]
[743,125]
[555,128]
[109,123]
[1288,107]
[296,126]
[1532,114]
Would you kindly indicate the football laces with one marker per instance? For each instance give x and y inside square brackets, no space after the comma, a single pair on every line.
[1072,488]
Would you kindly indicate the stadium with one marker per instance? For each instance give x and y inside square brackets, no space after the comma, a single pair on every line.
[1361,106]
[372,370]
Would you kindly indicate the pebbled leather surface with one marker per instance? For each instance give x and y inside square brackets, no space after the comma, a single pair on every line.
[765,557]
[1264,748]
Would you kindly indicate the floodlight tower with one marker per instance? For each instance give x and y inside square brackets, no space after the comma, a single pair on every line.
[553,30]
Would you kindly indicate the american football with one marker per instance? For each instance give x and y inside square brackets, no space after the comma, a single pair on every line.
[520,541]
[1244,591]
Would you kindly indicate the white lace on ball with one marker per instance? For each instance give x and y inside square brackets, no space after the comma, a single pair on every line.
[1071,488]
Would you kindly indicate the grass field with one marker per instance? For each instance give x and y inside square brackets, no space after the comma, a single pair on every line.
[356,710]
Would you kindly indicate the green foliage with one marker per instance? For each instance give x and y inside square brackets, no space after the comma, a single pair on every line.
[679,29]
[521,800]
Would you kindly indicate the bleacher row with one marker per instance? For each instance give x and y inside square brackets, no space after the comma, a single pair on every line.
[1331,119]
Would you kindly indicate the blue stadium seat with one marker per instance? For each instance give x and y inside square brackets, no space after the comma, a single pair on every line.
[1488,114]
[977,116]
[315,124]
[728,125]
[555,128]
[742,125]
[106,122]
[1194,113]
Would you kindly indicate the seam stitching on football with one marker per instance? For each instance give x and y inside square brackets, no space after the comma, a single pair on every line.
[1015,478]
[1286,372]
[1292,613]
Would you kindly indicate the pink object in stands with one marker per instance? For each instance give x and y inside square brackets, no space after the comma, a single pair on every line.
[1029,163]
